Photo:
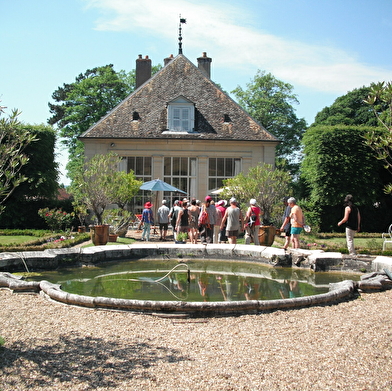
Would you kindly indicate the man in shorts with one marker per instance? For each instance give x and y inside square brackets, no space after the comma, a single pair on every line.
[163,220]
[297,221]
[233,219]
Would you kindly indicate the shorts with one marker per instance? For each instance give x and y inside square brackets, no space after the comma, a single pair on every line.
[296,230]
[230,234]
[183,229]
[163,226]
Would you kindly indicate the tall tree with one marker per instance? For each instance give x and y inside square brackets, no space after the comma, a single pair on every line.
[349,109]
[81,104]
[14,139]
[380,101]
[270,101]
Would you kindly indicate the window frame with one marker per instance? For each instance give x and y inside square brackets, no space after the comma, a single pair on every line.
[186,109]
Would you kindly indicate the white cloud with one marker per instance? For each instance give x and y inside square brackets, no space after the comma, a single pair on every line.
[231,34]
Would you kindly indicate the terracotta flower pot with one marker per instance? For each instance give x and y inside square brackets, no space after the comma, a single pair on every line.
[113,237]
[99,234]
[267,235]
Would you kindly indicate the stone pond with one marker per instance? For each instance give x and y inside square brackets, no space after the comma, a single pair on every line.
[374,275]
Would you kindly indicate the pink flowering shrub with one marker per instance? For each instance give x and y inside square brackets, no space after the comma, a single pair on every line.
[56,219]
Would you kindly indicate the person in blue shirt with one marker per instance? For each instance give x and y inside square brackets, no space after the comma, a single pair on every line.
[147,220]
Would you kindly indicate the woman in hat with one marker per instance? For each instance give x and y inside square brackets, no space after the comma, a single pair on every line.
[147,220]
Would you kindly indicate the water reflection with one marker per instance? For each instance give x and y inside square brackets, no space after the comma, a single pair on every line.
[205,281]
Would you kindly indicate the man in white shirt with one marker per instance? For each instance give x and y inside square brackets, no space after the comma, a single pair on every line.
[163,220]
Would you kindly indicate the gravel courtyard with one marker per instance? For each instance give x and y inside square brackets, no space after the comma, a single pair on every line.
[50,346]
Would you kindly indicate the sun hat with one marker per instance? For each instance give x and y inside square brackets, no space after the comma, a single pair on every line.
[164,201]
[222,203]
[252,201]
[148,205]
[208,198]
[233,200]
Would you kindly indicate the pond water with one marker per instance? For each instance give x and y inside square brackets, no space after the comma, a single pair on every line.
[193,280]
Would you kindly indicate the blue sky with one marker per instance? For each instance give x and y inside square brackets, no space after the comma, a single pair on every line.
[323,48]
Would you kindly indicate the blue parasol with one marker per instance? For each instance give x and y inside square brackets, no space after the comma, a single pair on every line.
[158,185]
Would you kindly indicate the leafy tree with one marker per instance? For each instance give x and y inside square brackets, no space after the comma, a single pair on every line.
[124,187]
[81,104]
[99,183]
[14,139]
[264,183]
[348,109]
[380,101]
[270,101]
[337,162]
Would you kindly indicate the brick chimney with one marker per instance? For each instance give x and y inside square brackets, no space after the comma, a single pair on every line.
[143,70]
[167,60]
[204,64]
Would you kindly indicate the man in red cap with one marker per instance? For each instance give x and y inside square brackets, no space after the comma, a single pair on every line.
[147,220]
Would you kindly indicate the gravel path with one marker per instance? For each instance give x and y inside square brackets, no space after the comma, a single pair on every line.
[50,346]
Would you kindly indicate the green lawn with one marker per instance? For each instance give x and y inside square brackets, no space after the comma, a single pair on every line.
[119,241]
[17,239]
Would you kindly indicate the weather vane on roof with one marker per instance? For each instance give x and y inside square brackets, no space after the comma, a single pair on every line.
[182,21]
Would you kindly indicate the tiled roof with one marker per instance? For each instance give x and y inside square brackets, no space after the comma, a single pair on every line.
[179,78]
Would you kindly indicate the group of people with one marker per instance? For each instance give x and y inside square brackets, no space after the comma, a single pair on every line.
[222,223]
[294,222]
[208,221]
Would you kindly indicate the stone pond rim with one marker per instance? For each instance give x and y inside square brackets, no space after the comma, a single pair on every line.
[315,259]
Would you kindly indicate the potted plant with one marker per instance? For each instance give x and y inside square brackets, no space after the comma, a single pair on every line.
[81,211]
[118,221]
[98,184]
[181,238]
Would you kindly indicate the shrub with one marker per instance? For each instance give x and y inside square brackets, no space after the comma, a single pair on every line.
[56,219]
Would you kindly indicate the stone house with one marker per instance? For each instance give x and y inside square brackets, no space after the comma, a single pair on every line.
[179,126]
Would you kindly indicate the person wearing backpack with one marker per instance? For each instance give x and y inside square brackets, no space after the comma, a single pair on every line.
[252,223]
[205,228]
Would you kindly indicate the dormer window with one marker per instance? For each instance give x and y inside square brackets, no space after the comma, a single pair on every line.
[135,116]
[181,115]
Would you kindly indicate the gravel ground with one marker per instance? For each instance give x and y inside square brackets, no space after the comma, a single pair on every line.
[56,347]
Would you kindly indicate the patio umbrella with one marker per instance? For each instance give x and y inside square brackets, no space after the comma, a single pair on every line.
[218,191]
[158,185]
